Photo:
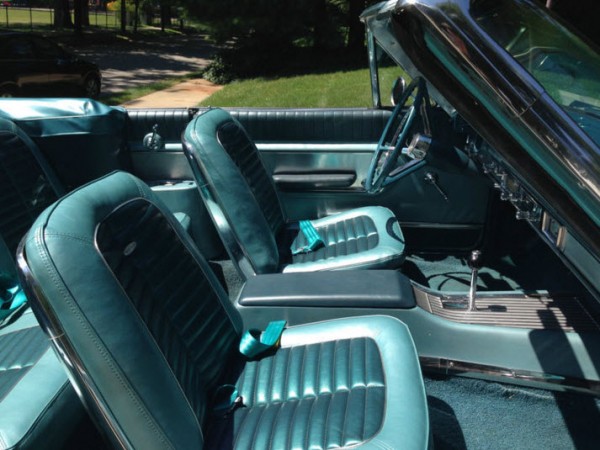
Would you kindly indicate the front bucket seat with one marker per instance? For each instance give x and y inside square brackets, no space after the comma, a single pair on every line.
[151,341]
[245,208]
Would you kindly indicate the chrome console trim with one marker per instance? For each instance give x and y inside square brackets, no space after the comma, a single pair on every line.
[535,311]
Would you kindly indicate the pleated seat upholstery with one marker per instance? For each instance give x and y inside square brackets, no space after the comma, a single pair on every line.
[150,338]
[244,205]
[38,407]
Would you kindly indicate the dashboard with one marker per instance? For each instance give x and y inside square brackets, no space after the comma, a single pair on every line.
[512,187]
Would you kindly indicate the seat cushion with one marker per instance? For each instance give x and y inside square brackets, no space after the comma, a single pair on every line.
[38,407]
[367,238]
[349,382]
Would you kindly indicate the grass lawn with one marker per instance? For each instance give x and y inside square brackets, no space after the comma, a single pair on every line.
[329,90]
[23,17]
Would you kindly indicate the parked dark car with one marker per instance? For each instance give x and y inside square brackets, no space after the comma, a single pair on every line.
[490,165]
[35,66]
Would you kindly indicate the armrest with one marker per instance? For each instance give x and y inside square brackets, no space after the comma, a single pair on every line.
[314,180]
[350,289]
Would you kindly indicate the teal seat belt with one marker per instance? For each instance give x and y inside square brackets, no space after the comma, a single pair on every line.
[255,342]
[313,239]
[11,299]
[227,400]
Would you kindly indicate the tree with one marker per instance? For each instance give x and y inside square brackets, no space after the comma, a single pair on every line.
[356,30]
[62,15]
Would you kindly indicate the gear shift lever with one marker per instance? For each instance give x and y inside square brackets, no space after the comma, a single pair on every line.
[474,263]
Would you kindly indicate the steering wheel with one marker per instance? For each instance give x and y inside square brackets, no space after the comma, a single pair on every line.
[394,137]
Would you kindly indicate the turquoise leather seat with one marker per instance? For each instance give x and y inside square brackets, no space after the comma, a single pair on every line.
[244,205]
[150,338]
[38,407]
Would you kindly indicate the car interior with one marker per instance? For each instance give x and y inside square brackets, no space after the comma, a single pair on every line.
[193,216]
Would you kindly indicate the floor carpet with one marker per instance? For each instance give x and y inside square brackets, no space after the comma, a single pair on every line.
[475,414]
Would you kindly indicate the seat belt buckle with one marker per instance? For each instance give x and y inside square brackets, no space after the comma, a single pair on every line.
[313,239]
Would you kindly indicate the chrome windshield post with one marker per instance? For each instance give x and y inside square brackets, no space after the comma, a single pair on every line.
[372,49]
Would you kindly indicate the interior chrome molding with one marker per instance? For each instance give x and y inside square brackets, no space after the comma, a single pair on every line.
[81,382]
[316,147]
[373,72]
[501,374]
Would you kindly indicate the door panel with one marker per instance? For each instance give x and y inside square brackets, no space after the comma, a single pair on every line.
[319,159]
[313,154]
[154,141]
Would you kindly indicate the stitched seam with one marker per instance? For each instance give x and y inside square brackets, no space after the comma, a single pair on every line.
[344,420]
[308,421]
[279,406]
[99,345]
[72,237]
[301,377]
[318,373]
[325,425]
[257,426]
[289,439]
[285,392]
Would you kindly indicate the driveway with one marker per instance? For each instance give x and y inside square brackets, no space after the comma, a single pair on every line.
[138,63]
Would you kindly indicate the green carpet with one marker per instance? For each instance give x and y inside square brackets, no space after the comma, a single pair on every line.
[538,269]
[474,414]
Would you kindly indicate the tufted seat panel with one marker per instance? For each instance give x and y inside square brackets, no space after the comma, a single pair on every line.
[307,391]
[363,237]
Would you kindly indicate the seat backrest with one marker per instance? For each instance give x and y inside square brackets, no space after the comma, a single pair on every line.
[142,322]
[238,191]
[27,183]
[37,405]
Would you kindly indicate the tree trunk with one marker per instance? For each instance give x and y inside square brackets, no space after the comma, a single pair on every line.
[136,16]
[320,24]
[62,16]
[123,16]
[85,18]
[356,30]
[165,15]
[78,16]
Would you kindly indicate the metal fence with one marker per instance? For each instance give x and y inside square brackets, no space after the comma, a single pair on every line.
[25,17]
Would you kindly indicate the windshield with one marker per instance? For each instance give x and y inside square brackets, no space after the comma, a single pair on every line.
[567,68]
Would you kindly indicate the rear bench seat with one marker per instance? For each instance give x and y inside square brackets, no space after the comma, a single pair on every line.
[38,406]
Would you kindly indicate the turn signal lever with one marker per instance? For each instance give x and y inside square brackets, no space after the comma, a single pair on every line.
[474,263]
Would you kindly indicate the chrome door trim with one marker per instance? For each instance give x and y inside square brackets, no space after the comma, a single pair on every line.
[317,147]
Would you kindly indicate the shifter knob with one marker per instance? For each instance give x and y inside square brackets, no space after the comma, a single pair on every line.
[474,261]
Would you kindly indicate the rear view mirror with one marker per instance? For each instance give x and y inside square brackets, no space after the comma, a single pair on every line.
[397,90]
